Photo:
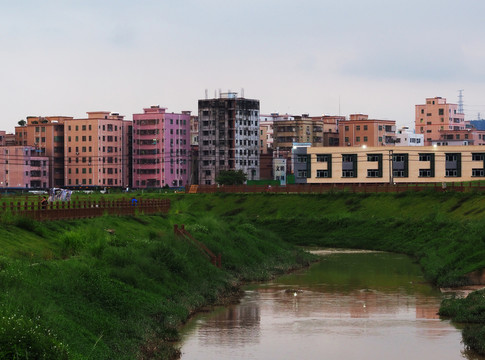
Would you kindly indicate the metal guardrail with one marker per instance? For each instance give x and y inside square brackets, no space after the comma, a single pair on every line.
[85,209]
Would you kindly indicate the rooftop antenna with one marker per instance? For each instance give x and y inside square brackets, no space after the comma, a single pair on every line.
[206,94]
[460,101]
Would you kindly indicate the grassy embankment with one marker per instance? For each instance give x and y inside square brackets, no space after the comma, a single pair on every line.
[72,290]
[104,295]
[443,232]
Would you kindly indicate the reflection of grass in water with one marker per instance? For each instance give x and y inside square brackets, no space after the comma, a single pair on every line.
[360,271]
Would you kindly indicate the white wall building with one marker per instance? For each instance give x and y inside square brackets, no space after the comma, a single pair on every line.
[407,137]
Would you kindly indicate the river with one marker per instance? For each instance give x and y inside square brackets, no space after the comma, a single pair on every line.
[351,305]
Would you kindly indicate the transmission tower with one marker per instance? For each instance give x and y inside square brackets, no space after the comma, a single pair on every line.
[460,101]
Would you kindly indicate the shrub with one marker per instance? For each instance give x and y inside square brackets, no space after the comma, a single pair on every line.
[71,243]
[23,338]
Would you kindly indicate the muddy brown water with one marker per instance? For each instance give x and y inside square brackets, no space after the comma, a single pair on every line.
[351,305]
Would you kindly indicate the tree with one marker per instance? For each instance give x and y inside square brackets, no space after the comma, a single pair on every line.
[231,177]
[22,122]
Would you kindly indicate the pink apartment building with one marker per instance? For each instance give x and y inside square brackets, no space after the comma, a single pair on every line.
[161,148]
[95,154]
[23,167]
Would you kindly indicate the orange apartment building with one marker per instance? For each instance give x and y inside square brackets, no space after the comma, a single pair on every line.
[95,155]
[438,120]
[359,130]
[46,135]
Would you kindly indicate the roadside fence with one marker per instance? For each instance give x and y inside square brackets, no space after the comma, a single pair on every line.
[65,210]
[351,187]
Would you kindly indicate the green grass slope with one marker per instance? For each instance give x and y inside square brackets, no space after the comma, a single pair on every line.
[119,287]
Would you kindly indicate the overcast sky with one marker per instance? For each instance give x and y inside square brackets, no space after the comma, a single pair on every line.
[377,57]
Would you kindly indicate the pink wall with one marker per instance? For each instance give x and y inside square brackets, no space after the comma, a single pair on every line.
[22,167]
[161,148]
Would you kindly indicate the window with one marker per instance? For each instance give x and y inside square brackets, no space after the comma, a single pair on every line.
[365,139]
[425,173]
[478,172]
[365,127]
[322,174]
[357,139]
[323,157]
[374,157]
[348,174]
[424,157]
[357,127]
[373,173]
[478,156]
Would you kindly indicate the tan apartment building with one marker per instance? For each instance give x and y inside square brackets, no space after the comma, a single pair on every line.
[437,120]
[266,133]
[389,165]
[360,130]
[94,154]
[46,135]
[302,129]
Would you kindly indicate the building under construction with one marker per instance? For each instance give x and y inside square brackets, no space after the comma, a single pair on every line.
[228,137]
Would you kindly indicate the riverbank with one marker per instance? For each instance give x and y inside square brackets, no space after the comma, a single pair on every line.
[120,287]
[443,232]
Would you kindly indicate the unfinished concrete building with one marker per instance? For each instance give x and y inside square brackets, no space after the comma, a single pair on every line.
[228,137]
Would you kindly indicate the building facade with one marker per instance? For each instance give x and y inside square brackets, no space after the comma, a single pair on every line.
[266,135]
[360,130]
[228,137]
[407,137]
[23,167]
[393,165]
[46,135]
[94,154]
[161,148]
[437,119]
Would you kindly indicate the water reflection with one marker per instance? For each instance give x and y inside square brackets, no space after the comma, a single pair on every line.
[349,306]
